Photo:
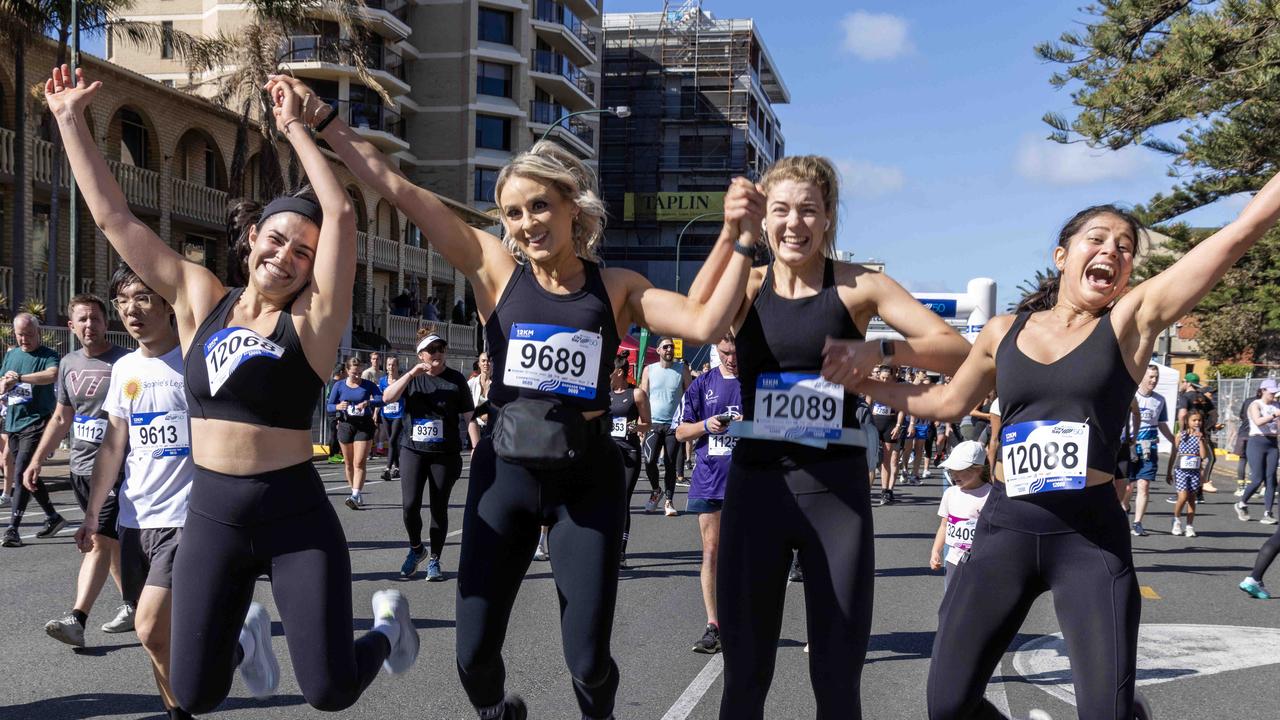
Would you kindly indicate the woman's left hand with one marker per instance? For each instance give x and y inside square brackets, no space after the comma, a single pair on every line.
[849,362]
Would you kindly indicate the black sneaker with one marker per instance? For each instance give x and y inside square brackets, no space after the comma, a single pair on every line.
[796,575]
[386,475]
[710,642]
[512,708]
[892,499]
[395,473]
[51,526]
[11,538]
[882,500]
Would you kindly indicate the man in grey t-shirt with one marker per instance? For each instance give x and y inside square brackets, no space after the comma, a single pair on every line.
[81,387]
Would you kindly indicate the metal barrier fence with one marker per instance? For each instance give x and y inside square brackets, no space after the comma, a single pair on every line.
[1231,396]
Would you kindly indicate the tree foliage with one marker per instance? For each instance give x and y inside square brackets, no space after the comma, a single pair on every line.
[1199,81]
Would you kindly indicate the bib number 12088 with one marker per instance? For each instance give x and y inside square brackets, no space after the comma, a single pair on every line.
[1044,456]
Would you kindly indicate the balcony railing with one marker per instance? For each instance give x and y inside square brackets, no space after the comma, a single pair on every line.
[546,113]
[330,49]
[416,260]
[554,12]
[545,61]
[64,288]
[6,286]
[440,268]
[199,202]
[384,253]
[403,331]
[7,157]
[369,116]
[42,166]
[140,185]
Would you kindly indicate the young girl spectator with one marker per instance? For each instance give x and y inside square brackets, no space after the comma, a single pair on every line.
[1184,471]
[960,506]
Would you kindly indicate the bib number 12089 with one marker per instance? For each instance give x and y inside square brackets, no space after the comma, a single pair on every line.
[798,405]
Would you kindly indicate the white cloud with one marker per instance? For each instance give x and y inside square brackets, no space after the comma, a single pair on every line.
[863,179]
[1053,163]
[875,36]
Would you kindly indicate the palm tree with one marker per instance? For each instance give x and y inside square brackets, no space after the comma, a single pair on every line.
[1042,282]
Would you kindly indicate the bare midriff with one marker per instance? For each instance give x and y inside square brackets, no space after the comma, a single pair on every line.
[236,448]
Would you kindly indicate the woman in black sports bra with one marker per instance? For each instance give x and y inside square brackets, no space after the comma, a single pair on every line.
[254,361]
[799,473]
[1065,368]
[552,319]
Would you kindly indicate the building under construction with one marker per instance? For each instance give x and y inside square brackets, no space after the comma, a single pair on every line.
[701,92]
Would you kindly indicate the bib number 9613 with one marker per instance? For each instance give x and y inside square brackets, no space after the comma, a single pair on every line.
[1044,456]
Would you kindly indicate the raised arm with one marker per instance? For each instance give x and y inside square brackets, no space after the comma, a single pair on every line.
[191,289]
[1168,296]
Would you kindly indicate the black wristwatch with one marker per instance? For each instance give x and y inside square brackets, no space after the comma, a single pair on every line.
[886,350]
[747,250]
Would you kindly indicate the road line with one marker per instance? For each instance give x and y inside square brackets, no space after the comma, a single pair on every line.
[1148,592]
[693,694]
[997,694]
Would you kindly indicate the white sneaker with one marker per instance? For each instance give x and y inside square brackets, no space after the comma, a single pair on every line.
[670,509]
[1242,512]
[1268,519]
[391,606]
[1189,532]
[541,553]
[4,500]
[122,622]
[1177,527]
[259,669]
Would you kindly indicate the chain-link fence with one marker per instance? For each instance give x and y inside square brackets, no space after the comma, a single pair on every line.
[1231,397]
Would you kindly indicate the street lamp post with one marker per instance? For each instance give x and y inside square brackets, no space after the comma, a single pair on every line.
[680,239]
[622,111]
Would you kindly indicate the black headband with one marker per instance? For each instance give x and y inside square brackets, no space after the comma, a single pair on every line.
[305,208]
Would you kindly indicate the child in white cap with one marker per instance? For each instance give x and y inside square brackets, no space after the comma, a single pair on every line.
[960,506]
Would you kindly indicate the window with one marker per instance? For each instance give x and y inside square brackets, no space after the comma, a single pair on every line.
[493,79]
[133,139]
[210,167]
[486,182]
[493,132]
[166,39]
[496,26]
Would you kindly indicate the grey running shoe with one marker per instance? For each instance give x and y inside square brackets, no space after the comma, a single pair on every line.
[1138,530]
[11,538]
[433,569]
[352,503]
[66,629]
[51,526]
[710,642]
[651,504]
[412,561]
[122,622]
[1268,519]
[391,606]
[259,669]
[796,575]
[1242,512]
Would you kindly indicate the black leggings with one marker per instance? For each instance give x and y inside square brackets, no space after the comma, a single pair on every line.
[1263,455]
[823,508]
[23,446]
[279,523]
[506,503]
[1266,556]
[437,472]
[631,466]
[1072,543]
[395,429]
[662,440]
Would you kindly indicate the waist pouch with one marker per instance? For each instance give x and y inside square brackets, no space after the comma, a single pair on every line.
[541,434]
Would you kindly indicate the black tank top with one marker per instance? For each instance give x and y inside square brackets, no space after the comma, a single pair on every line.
[623,405]
[787,335]
[1090,384]
[587,314]
[233,373]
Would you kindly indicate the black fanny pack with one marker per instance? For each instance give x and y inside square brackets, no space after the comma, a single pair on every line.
[541,434]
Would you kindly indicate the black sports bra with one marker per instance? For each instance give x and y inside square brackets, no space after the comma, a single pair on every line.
[233,373]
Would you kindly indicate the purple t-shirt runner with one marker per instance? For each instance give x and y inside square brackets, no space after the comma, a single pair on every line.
[709,395]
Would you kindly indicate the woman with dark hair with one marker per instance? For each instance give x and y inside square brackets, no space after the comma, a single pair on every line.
[629,419]
[255,359]
[1065,368]
[392,412]
[354,401]
[552,319]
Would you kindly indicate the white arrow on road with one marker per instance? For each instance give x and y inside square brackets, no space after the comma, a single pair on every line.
[1165,652]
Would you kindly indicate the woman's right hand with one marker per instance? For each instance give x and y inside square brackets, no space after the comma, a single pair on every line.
[421,369]
[66,98]
[310,108]
[743,208]
[342,406]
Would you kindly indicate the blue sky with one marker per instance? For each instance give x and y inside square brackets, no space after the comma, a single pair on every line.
[932,111]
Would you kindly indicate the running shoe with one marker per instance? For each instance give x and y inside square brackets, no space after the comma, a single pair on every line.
[1209,487]
[1177,527]
[1255,588]
[66,629]
[892,498]
[122,622]
[1268,519]
[652,504]
[796,574]
[1142,708]
[395,473]
[412,561]
[1239,492]
[710,642]
[433,569]
[11,538]
[386,475]
[1038,714]
[4,500]
[1138,530]
[1242,512]
[390,606]
[669,509]
[512,708]
[540,553]
[51,526]
[258,668]
[335,459]
[622,561]
[1189,531]
[883,499]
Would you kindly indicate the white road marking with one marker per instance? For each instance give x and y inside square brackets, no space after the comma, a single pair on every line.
[693,694]
[1165,653]
[997,695]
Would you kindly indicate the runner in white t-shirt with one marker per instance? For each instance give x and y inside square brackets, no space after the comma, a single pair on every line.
[149,433]
[960,506]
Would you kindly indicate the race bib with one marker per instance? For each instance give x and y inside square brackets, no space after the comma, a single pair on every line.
[619,427]
[881,409]
[427,430]
[960,532]
[162,434]
[798,405]
[20,394]
[1044,456]
[89,429]
[391,408]
[552,358]
[229,348]
[1189,462]
[721,445]
[356,411]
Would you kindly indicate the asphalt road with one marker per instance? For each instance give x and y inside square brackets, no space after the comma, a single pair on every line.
[1194,663]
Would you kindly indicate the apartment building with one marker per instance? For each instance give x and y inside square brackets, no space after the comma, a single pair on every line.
[702,92]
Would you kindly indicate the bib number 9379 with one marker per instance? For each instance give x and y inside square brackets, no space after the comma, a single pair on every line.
[1044,456]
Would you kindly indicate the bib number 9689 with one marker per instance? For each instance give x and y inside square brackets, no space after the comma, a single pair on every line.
[560,360]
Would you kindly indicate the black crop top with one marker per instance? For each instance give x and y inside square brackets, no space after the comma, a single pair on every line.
[233,373]
[551,342]
[1091,384]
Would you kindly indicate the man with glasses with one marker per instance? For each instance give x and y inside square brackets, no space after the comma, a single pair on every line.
[664,382]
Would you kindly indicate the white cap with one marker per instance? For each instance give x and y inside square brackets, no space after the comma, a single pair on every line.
[426,342]
[966,455]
